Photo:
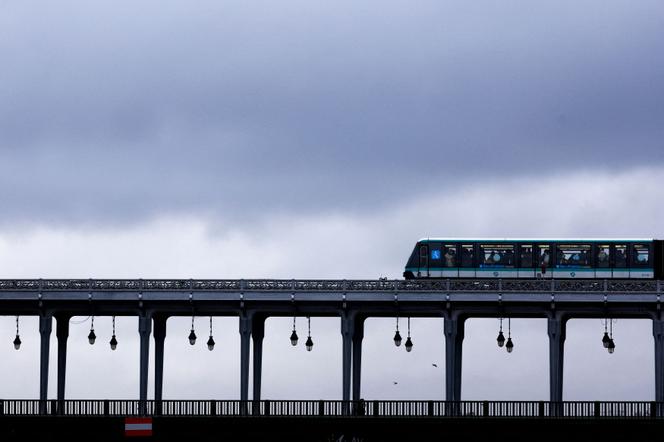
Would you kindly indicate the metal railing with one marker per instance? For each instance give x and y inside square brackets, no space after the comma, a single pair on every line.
[326,408]
[340,285]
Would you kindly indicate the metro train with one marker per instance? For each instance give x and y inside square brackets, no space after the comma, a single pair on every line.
[616,258]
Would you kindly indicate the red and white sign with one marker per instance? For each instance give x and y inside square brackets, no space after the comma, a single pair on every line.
[138,426]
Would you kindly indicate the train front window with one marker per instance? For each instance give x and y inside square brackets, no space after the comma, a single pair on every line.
[603,253]
[620,256]
[467,252]
[573,255]
[496,255]
[640,255]
[526,256]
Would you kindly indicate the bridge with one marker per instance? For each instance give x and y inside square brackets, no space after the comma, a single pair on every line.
[353,301]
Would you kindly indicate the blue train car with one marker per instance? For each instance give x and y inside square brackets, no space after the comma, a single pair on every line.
[619,258]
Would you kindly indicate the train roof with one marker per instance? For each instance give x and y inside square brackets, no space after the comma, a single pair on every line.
[535,240]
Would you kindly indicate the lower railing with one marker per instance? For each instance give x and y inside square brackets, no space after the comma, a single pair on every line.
[324,408]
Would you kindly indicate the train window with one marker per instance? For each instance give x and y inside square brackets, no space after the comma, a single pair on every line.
[467,252]
[526,256]
[620,256]
[603,254]
[424,256]
[450,255]
[496,255]
[640,255]
[573,255]
[544,255]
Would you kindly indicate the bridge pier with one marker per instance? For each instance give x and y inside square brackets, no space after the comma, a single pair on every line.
[159,338]
[45,327]
[144,329]
[556,328]
[357,358]
[454,333]
[245,335]
[62,333]
[257,334]
[347,329]
[658,334]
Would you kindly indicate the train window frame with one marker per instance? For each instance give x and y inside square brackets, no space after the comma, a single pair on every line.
[596,251]
[424,247]
[519,256]
[472,248]
[497,246]
[431,260]
[445,247]
[632,254]
[561,249]
[538,247]
[614,256]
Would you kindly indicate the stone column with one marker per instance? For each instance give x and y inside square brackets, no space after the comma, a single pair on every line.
[347,329]
[658,334]
[357,358]
[245,335]
[454,333]
[62,333]
[257,334]
[159,338]
[144,330]
[45,327]
[556,329]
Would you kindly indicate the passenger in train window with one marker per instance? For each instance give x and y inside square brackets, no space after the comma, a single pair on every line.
[621,256]
[450,257]
[603,256]
[526,256]
[466,256]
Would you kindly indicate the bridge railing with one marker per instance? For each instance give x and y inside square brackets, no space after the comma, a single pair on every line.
[341,285]
[325,408]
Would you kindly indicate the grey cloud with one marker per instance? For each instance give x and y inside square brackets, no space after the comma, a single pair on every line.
[118,112]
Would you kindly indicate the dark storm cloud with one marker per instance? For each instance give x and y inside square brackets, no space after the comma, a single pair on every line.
[119,110]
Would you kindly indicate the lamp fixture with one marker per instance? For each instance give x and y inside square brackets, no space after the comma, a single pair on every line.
[501,337]
[192,334]
[293,336]
[113,341]
[309,344]
[210,342]
[92,336]
[409,342]
[17,339]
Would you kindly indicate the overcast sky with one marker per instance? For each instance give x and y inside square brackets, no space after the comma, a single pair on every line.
[307,140]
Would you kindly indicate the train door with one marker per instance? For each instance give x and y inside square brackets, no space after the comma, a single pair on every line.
[423,269]
[449,261]
[620,261]
[526,260]
[436,261]
[467,264]
[603,261]
[544,261]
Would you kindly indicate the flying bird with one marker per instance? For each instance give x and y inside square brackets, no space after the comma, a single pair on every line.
[435,365]
[395,382]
